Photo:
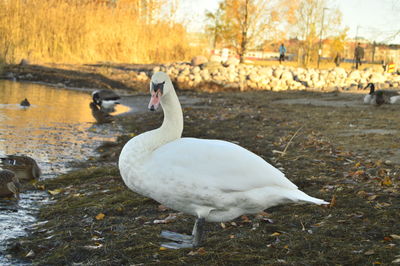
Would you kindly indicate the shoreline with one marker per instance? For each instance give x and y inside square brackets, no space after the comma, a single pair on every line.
[97,220]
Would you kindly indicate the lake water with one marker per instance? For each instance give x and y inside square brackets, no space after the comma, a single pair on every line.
[56,129]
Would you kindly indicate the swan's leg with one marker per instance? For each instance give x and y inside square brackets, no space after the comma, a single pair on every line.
[185,241]
[198,231]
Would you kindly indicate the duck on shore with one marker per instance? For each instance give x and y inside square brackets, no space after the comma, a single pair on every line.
[23,166]
[9,184]
[106,100]
[213,180]
[379,97]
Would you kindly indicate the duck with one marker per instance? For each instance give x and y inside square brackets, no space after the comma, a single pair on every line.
[379,97]
[9,184]
[100,115]
[23,166]
[213,180]
[25,103]
[106,99]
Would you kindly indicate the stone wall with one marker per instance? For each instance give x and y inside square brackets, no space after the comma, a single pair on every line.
[276,78]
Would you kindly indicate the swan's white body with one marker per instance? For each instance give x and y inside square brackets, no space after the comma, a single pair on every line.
[211,179]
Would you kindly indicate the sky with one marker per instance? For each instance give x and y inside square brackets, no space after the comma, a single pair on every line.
[376,20]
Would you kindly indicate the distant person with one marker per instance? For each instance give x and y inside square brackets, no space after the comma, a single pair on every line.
[384,65]
[337,59]
[282,52]
[358,54]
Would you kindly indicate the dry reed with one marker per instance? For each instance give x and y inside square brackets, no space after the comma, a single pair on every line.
[77,31]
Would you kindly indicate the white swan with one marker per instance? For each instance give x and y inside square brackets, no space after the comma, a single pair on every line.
[213,180]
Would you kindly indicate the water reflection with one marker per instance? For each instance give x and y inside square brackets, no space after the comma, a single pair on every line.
[58,127]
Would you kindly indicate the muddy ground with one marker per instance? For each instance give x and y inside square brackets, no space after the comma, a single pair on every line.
[335,148]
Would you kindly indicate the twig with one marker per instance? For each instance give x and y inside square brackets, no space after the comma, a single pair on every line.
[282,153]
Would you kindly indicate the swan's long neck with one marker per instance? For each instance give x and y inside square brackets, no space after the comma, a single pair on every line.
[170,130]
[172,125]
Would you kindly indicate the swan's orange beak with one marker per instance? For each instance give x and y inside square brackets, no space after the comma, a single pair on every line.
[155,100]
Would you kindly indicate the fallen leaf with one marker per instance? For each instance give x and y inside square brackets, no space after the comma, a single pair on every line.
[201,251]
[100,216]
[162,208]
[372,197]
[163,248]
[262,214]
[369,252]
[231,236]
[191,253]
[397,237]
[245,219]
[358,172]
[30,254]
[55,191]
[275,234]
[223,225]
[41,187]
[386,181]
[333,201]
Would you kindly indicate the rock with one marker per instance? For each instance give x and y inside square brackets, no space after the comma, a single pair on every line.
[215,58]
[199,60]
[232,61]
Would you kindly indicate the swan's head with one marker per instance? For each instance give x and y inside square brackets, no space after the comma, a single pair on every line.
[160,85]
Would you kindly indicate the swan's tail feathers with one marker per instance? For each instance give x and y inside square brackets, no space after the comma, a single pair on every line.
[303,197]
[394,99]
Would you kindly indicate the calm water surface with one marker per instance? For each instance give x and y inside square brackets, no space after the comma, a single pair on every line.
[56,129]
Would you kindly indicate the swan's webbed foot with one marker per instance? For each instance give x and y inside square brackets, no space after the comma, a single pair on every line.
[185,241]
[181,240]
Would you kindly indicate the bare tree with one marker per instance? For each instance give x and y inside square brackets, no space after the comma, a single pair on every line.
[215,25]
[312,21]
[245,23]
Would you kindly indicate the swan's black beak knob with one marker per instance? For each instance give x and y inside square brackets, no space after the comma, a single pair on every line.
[152,108]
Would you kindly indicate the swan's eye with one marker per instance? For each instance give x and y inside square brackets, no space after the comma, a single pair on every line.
[158,86]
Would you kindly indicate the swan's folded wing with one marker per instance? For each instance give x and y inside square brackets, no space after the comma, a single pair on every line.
[215,163]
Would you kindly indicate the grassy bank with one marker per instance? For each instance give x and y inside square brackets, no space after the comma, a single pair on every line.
[90,31]
[96,220]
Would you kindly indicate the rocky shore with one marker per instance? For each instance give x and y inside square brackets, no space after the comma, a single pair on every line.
[276,78]
[204,75]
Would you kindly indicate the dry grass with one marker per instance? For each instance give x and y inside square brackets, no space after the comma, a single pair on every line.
[89,31]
